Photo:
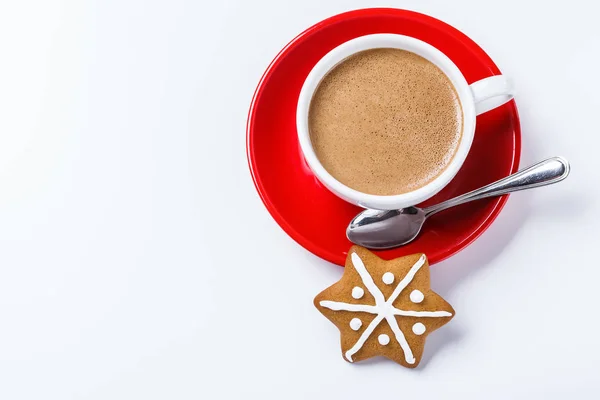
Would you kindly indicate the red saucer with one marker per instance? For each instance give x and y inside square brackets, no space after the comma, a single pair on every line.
[316,218]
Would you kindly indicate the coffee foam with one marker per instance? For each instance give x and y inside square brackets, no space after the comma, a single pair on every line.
[385,121]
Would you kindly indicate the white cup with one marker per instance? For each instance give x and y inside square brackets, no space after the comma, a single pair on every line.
[475,99]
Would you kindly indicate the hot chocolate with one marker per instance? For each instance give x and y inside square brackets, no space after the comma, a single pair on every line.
[385,121]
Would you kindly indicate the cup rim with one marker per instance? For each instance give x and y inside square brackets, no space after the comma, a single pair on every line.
[372,41]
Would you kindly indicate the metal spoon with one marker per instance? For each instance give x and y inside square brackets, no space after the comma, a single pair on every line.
[377,229]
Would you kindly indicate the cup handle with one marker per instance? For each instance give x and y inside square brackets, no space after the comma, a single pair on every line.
[491,92]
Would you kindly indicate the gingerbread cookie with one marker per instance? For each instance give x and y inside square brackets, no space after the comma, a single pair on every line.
[384,308]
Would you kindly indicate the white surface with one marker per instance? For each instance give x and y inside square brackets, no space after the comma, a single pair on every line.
[137,261]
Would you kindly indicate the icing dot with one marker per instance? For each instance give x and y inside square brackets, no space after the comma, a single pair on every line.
[355,324]
[418,328]
[388,278]
[416,296]
[383,339]
[357,292]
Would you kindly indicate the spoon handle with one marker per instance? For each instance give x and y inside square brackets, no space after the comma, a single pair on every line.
[544,173]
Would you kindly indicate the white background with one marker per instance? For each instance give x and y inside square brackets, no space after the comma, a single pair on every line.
[137,261]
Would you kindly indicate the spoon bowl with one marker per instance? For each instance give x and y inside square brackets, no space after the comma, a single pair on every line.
[383,229]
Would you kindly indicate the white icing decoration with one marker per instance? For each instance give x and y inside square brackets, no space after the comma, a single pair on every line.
[355,324]
[418,328]
[383,309]
[357,292]
[416,296]
[388,278]
[383,339]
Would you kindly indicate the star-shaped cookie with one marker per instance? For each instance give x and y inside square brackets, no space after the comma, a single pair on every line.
[384,308]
